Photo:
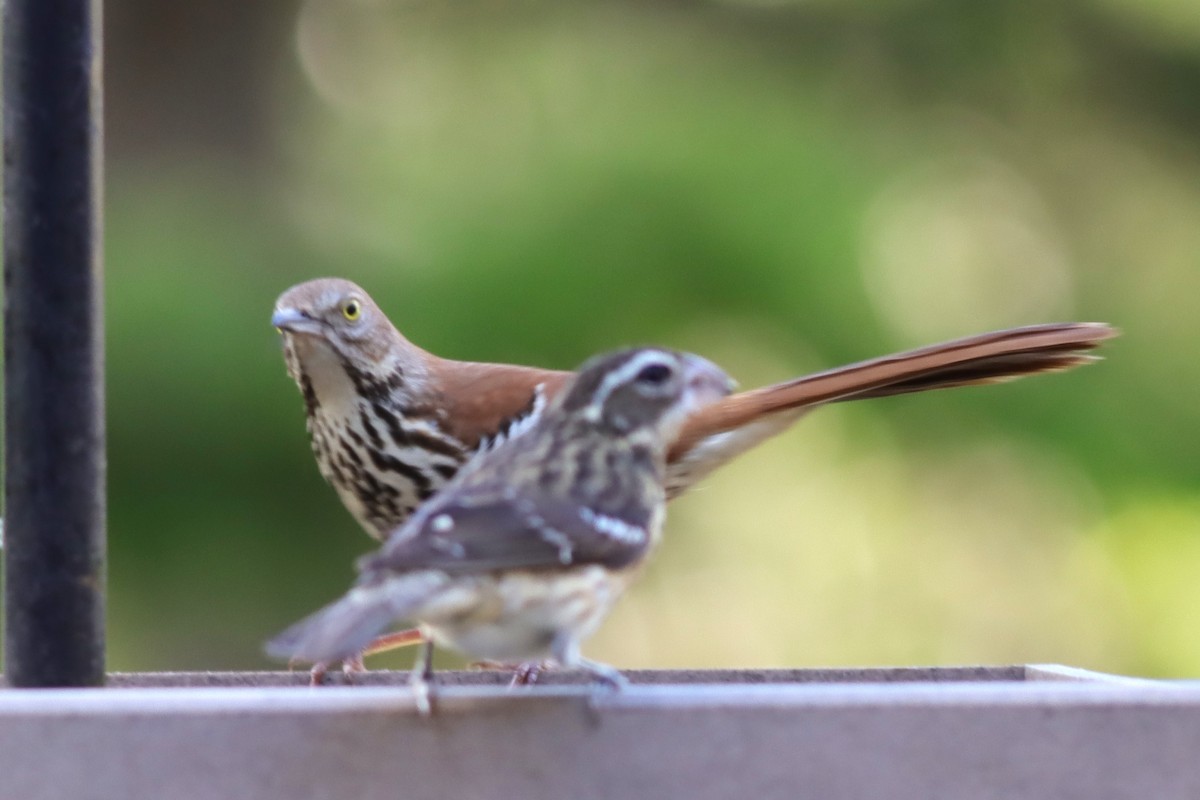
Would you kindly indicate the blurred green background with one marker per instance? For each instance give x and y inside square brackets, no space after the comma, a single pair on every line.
[781,186]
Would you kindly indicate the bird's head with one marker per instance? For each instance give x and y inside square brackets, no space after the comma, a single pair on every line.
[337,314]
[333,332]
[645,389]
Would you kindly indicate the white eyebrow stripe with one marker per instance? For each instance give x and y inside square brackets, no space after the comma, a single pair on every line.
[613,527]
[622,375]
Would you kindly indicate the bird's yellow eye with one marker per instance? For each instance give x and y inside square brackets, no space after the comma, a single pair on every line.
[352,310]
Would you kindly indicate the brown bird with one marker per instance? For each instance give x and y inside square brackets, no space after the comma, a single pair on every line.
[391,423]
[521,555]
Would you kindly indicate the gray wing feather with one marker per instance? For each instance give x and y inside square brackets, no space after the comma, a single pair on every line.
[514,533]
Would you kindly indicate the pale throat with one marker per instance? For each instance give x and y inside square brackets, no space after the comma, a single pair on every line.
[334,389]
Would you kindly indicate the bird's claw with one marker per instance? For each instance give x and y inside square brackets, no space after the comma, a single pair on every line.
[602,674]
[524,674]
[422,696]
[316,674]
[527,674]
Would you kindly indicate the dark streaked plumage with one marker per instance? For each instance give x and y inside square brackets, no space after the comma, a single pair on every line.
[521,555]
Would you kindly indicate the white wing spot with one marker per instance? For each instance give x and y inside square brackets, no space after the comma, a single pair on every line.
[613,527]
[442,523]
[559,540]
[549,534]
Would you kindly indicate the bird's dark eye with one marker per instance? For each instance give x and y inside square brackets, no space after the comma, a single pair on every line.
[654,374]
[352,310]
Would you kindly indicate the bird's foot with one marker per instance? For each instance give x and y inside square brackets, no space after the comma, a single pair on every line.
[604,675]
[316,674]
[422,679]
[606,681]
[528,673]
[524,674]
[423,695]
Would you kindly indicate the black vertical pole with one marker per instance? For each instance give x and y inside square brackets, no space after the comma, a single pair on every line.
[54,457]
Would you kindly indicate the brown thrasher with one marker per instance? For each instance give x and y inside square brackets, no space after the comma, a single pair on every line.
[390,423]
[523,552]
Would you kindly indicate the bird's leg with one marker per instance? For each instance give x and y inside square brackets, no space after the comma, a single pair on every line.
[422,679]
[316,675]
[566,651]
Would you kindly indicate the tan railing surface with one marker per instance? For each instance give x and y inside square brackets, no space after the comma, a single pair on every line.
[1025,732]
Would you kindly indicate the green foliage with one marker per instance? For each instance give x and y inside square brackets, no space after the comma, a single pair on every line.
[782,187]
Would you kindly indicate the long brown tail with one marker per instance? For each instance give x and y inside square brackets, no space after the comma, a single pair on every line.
[985,358]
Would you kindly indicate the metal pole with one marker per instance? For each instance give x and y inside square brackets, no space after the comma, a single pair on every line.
[54,457]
